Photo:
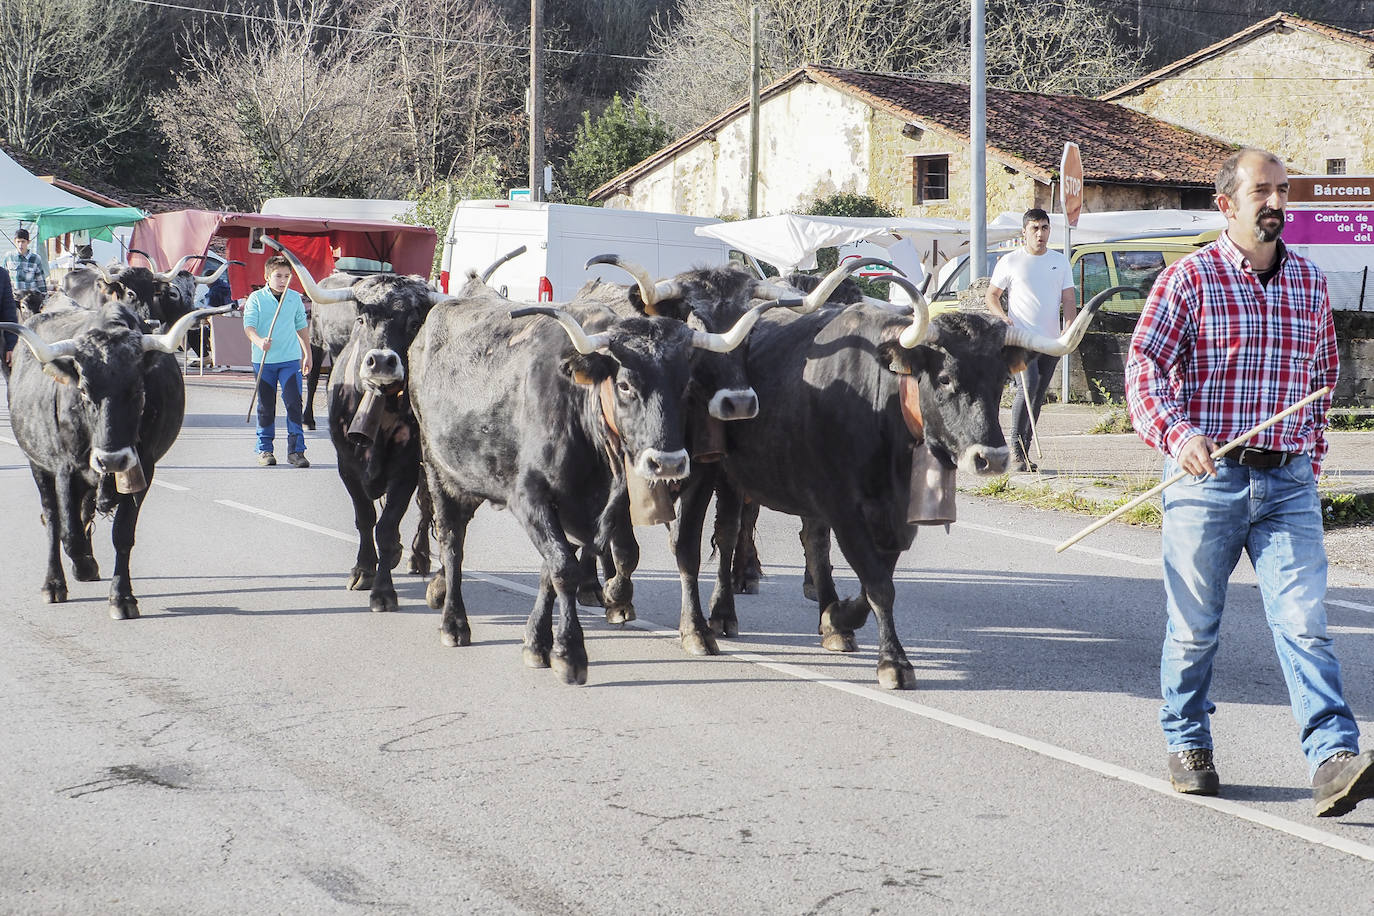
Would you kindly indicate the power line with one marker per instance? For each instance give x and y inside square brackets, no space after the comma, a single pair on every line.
[353,30]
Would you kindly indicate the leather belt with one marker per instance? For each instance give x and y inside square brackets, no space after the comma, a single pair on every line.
[1262,457]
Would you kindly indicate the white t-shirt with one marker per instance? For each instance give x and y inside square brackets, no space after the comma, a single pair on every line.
[1035,286]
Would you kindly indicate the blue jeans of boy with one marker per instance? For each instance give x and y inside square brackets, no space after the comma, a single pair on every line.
[288,376]
[1274,514]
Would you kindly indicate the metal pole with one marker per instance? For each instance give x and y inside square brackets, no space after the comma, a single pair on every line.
[536,105]
[1068,357]
[754,111]
[978,194]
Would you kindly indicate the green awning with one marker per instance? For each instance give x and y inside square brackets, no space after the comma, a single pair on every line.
[54,221]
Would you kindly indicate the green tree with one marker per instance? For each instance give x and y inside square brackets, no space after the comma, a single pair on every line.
[622,136]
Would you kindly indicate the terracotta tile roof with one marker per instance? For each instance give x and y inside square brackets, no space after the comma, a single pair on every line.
[1361,40]
[1025,130]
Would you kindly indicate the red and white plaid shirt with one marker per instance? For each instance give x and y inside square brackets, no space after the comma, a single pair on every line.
[1215,353]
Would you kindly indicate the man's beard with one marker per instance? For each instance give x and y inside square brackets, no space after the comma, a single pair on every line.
[1264,233]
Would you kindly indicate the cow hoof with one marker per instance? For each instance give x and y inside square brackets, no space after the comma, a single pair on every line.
[724,626]
[455,638]
[591,596]
[534,657]
[384,603]
[839,642]
[748,587]
[620,613]
[85,569]
[569,670]
[809,591]
[896,676]
[54,594]
[436,593]
[308,424]
[419,564]
[360,580]
[694,643]
[123,608]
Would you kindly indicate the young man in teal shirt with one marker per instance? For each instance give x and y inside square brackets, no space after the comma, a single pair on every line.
[274,320]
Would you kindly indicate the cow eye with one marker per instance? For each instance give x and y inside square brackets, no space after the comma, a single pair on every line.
[944,380]
[625,387]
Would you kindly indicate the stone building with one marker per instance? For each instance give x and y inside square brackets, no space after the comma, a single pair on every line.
[905,142]
[1296,87]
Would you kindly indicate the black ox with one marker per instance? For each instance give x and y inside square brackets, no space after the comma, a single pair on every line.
[850,393]
[509,414]
[94,403]
[157,297]
[379,455]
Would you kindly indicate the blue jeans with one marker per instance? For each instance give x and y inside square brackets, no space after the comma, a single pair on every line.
[288,375]
[1275,516]
[1039,369]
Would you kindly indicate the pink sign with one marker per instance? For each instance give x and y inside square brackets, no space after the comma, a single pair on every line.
[1328,227]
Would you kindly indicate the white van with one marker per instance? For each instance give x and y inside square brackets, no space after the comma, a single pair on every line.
[558,240]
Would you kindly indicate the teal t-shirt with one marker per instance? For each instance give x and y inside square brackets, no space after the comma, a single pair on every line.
[257,314]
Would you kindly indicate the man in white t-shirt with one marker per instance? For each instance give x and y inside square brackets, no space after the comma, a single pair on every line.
[1038,283]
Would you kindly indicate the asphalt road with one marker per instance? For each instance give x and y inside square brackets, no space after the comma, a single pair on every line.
[259,742]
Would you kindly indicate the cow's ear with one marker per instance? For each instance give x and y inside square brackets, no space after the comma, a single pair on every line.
[1016,357]
[589,368]
[62,370]
[898,359]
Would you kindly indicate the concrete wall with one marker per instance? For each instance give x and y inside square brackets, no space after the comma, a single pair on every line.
[1300,95]
[817,141]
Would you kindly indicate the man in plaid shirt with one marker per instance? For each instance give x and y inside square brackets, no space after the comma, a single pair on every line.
[25,267]
[1230,336]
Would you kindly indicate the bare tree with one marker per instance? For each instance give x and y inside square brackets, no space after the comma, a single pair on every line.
[65,92]
[298,110]
[702,65]
[458,74]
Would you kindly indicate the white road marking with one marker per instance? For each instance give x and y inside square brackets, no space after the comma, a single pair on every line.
[1022,536]
[898,701]
[171,486]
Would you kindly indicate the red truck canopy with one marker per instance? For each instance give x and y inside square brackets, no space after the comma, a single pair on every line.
[168,237]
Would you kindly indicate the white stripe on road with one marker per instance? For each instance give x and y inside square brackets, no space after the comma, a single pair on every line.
[171,486]
[1021,536]
[898,701]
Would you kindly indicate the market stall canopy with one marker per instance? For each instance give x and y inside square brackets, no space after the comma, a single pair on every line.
[53,221]
[1117,224]
[317,241]
[790,240]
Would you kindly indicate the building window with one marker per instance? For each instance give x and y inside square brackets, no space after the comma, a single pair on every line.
[930,178]
[1335,166]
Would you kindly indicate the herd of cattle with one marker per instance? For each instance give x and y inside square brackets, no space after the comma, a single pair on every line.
[801,395]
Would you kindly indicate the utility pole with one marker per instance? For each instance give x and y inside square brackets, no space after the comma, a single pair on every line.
[753,110]
[536,100]
[978,193]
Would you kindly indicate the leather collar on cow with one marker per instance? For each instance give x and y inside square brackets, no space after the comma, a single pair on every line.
[909,392]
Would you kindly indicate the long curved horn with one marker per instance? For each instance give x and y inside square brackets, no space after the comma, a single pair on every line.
[780,293]
[724,343]
[169,342]
[206,281]
[152,265]
[312,289]
[917,299]
[46,352]
[652,293]
[920,320]
[491,269]
[176,268]
[818,296]
[1073,334]
[584,342]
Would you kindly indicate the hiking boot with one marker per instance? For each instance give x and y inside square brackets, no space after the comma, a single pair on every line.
[298,460]
[1193,773]
[266,459]
[1342,781]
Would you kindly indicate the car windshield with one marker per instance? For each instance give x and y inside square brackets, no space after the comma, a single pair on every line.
[959,280]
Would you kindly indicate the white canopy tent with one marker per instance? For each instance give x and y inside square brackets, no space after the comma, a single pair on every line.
[1115,224]
[790,241]
[23,187]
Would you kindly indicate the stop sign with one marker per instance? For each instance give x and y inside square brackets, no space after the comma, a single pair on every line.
[1071,183]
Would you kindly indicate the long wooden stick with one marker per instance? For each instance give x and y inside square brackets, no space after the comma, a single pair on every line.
[1222,450]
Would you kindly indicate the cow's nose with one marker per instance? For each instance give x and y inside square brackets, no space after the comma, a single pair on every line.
[666,465]
[381,361]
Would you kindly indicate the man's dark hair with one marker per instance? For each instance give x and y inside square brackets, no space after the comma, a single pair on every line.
[1033,215]
[274,262]
[1226,176]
